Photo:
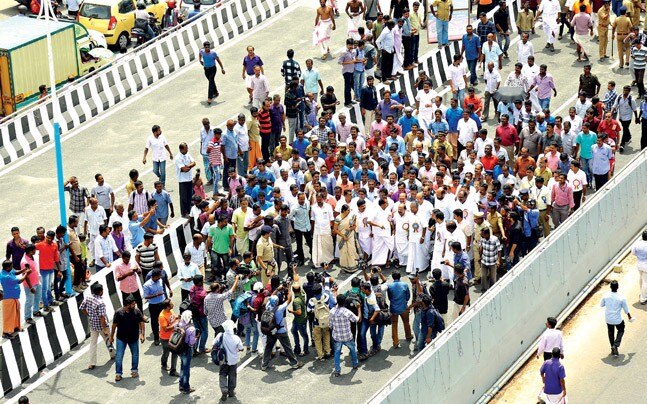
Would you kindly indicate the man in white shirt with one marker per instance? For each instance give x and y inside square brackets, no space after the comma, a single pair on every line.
[574,119]
[524,49]
[184,164]
[260,87]
[283,183]
[424,105]
[95,216]
[186,273]
[401,221]
[549,10]
[550,339]
[198,252]
[242,138]
[492,79]
[467,131]
[457,79]
[322,245]
[614,303]
[156,143]
[382,234]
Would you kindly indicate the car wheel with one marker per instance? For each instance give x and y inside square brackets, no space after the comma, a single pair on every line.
[123,41]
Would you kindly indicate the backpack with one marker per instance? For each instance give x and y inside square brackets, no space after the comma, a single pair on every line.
[187,304]
[268,321]
[239,307]
[353,302]
[322,311]
[384,316]
[176,343]
[218,352]
[439,323]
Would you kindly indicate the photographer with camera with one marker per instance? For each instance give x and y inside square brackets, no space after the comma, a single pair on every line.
[214,304]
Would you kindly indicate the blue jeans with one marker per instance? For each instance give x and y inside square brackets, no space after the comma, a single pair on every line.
[471,65]
[544,103]
[159,169]
[32,301]
[504,41]
[217,177]
[46,278]
[415,44]
[361,339]
[252,328]
[243,163]
[119,356]
[185,368]
[351,348]
[460,96]
[417,325]
[358,82]
[201,324]
[442,31]
[377,333]
[300,329]
[586,166]
[207,170]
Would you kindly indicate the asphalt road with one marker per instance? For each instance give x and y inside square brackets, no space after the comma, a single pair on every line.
[593,375]
[113,144]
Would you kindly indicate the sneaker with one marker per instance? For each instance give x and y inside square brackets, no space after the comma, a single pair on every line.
[232,393]
[118,378]
[224,397]
[265,367]
[189,391]
[37,314]
[30,321]
[297,365]
[134,374]
[336,373]
[173,373]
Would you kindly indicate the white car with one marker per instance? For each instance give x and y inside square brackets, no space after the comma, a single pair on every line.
[186,6]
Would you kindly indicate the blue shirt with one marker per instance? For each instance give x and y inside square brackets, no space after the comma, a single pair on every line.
[471,46]
[265,174]
[193,13]
[600,164]
[399,141]
[428,320]
[330,182]
[279,318]
[370,175]
[136,232]
[613,304]
[405,123]
[153,288]
[386,110]
[257,190]
[436,126]
[368,98]
[301,145]
[10,284]
[453,115]
[231,145]
[530,221]
[209,59]
[163,200]
[399,295]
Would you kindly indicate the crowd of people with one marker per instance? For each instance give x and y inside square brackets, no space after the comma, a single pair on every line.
[418,187]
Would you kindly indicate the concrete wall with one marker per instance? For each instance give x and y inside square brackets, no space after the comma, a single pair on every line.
[471,355]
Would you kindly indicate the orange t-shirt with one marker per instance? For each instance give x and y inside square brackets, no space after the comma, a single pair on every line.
[578,3]
[166,319]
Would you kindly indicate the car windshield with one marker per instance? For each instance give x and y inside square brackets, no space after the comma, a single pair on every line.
[95,11]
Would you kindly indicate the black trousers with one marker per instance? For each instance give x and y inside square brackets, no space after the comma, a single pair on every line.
[225,176]
[155,309]
[626,132]
[79,271]
[138,299]
[299,236]
[643,133]
[600,180]
[407,44]
[265,146]
[577,199]
[548,356]
[640,81]
[615,340]
[387,65]
[210,74]
[348,86]
[186,192]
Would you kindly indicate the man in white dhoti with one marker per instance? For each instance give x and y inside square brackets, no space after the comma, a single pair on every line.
[418,258]
[322,246]
[324,25]
[530,70]
[425,105]
[356,10]
[401,221]
[550,10]
[397,45]
[382,234]
[452,234]
[364,216]
[639,249]
[439,242]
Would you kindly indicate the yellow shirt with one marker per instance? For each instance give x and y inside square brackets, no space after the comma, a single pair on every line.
[576,6]
[238,218]
[285,153]
[622,25]
[449,150]
[604,18]
[443,8]
[546,174]
[265,249]
[130,187]
[496,223]
[254,130]
[414,18]
[525,21]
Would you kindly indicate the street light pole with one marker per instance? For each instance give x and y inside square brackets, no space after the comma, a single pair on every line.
[47,11]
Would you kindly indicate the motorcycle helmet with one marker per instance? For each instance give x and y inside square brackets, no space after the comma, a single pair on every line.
[170,4]
[141,5]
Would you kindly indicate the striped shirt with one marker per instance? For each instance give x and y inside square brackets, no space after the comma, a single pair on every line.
[640,56]
[139,201]
[265,122]
[215,152]
[146,256]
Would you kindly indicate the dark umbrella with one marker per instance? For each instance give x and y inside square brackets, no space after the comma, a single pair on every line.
[509,94]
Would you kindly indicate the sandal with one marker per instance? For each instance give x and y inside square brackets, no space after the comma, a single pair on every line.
[91,367]
[134,374]
[118,378]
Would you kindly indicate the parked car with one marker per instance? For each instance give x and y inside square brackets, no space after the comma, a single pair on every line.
[186,6]
[115,18]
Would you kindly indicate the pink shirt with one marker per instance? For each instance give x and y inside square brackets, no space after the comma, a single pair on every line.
[562,196]
[552,160]
[34,275]
[129,284]
[582,23]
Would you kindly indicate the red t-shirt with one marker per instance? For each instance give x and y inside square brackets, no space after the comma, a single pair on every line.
[48,255]
[264,122]
[611,129]
[508,135]
[489,162]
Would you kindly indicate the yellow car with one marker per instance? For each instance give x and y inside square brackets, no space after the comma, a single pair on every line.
[115,18]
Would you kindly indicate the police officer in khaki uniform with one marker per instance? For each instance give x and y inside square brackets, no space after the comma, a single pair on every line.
[622,25]
[479,224]
[604,20]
